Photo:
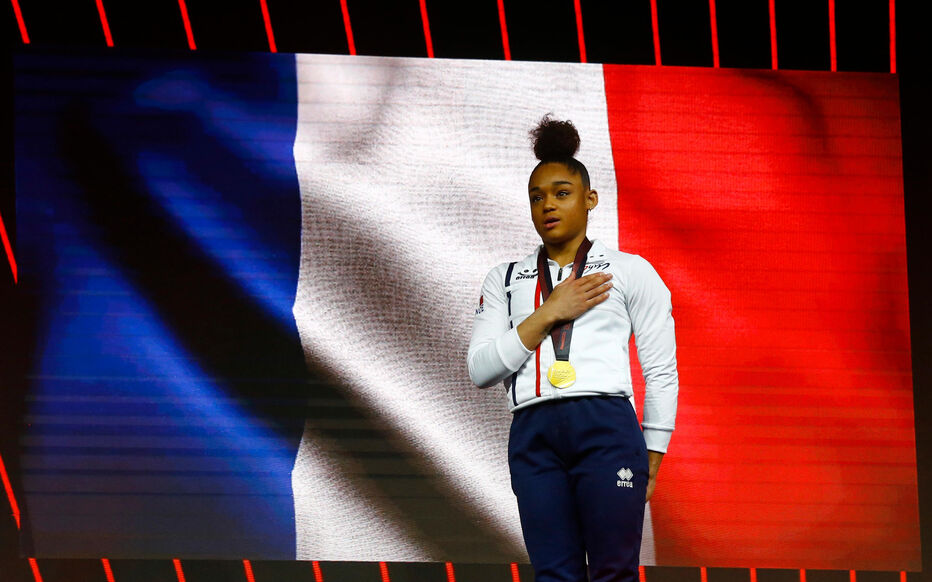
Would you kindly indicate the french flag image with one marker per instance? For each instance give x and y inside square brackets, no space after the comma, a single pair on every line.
[248,282]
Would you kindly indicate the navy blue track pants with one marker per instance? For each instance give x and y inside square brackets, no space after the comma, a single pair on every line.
[579,470]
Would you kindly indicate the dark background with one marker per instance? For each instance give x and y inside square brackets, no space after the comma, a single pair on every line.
[615,32]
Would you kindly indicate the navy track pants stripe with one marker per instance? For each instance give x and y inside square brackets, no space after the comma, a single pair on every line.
[579,469]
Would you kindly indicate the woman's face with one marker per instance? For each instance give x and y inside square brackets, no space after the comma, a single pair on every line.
[559,203]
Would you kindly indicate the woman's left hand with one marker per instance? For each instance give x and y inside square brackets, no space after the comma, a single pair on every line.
[654,458]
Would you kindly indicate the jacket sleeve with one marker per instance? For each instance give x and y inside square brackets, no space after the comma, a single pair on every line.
[495,350]
[651,312]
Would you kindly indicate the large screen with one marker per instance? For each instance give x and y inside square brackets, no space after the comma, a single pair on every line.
[250,281]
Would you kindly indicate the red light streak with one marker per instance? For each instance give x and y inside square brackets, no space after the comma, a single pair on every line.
[103,22]
[802,573]
[178,571]
[108,572]
[579,31]
[537,350]
[349,28]
[9,254]
[852,576]
[247,567]
[714,25]
[515,577]
[14,507]
[20,22]
[35,569]
[703,574]
[501,22]
[268,25]
[451,577]
[773,35]
[892,41]
[753,574]
[383,569]
[642,574]
[187,24]
[318,575]
[831,34]
[902,572]
[427,39]
[656,28]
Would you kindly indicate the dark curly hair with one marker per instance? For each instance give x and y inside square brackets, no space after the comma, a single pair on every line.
[558,141]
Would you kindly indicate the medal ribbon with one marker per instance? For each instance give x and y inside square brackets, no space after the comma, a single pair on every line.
[562,334]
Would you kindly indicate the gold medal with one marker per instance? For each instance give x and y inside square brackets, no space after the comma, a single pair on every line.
[562,374]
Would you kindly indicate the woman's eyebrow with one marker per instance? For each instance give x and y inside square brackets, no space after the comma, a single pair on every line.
[556,183]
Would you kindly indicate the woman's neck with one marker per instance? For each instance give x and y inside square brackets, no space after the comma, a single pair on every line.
[564,253]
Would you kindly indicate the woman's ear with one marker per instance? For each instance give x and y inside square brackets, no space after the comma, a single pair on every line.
[592,199]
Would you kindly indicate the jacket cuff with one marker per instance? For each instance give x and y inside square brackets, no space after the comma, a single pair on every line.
[511,350]
[657,439]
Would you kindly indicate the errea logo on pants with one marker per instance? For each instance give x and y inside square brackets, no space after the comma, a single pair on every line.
[624,478]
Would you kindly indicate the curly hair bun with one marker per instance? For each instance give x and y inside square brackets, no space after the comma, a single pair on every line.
[555,140]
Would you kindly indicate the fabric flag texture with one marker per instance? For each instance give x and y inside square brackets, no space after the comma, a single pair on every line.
[250,281]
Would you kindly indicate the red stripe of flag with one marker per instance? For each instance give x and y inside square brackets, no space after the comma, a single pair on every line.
[350,43]
[20,22]
[103,22]
[268,25]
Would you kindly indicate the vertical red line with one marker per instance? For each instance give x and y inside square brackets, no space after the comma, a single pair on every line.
[642,574]
[515,577]
[427,39]
[14,507]
[268,25]
[577,4]
[247,567]
[773,35]
[802,573]
[383,570]
[108,572]
[318,575]
[20,22]
[349,28]
[103,22]
[537,349]
[656,28]
[831,34]
[703,574]
[501,22]
[902,572]
[852,576]
[753,574]
[187,24]
[35,569]
[892,46]
[9,254]
[451,577]
[178,571]
[714,25]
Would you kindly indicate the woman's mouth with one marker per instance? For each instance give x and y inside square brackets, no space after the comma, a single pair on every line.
[551,222]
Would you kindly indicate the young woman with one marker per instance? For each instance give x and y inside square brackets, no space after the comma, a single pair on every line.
[554,327]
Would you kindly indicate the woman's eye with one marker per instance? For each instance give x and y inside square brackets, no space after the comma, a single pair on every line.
[563,193]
